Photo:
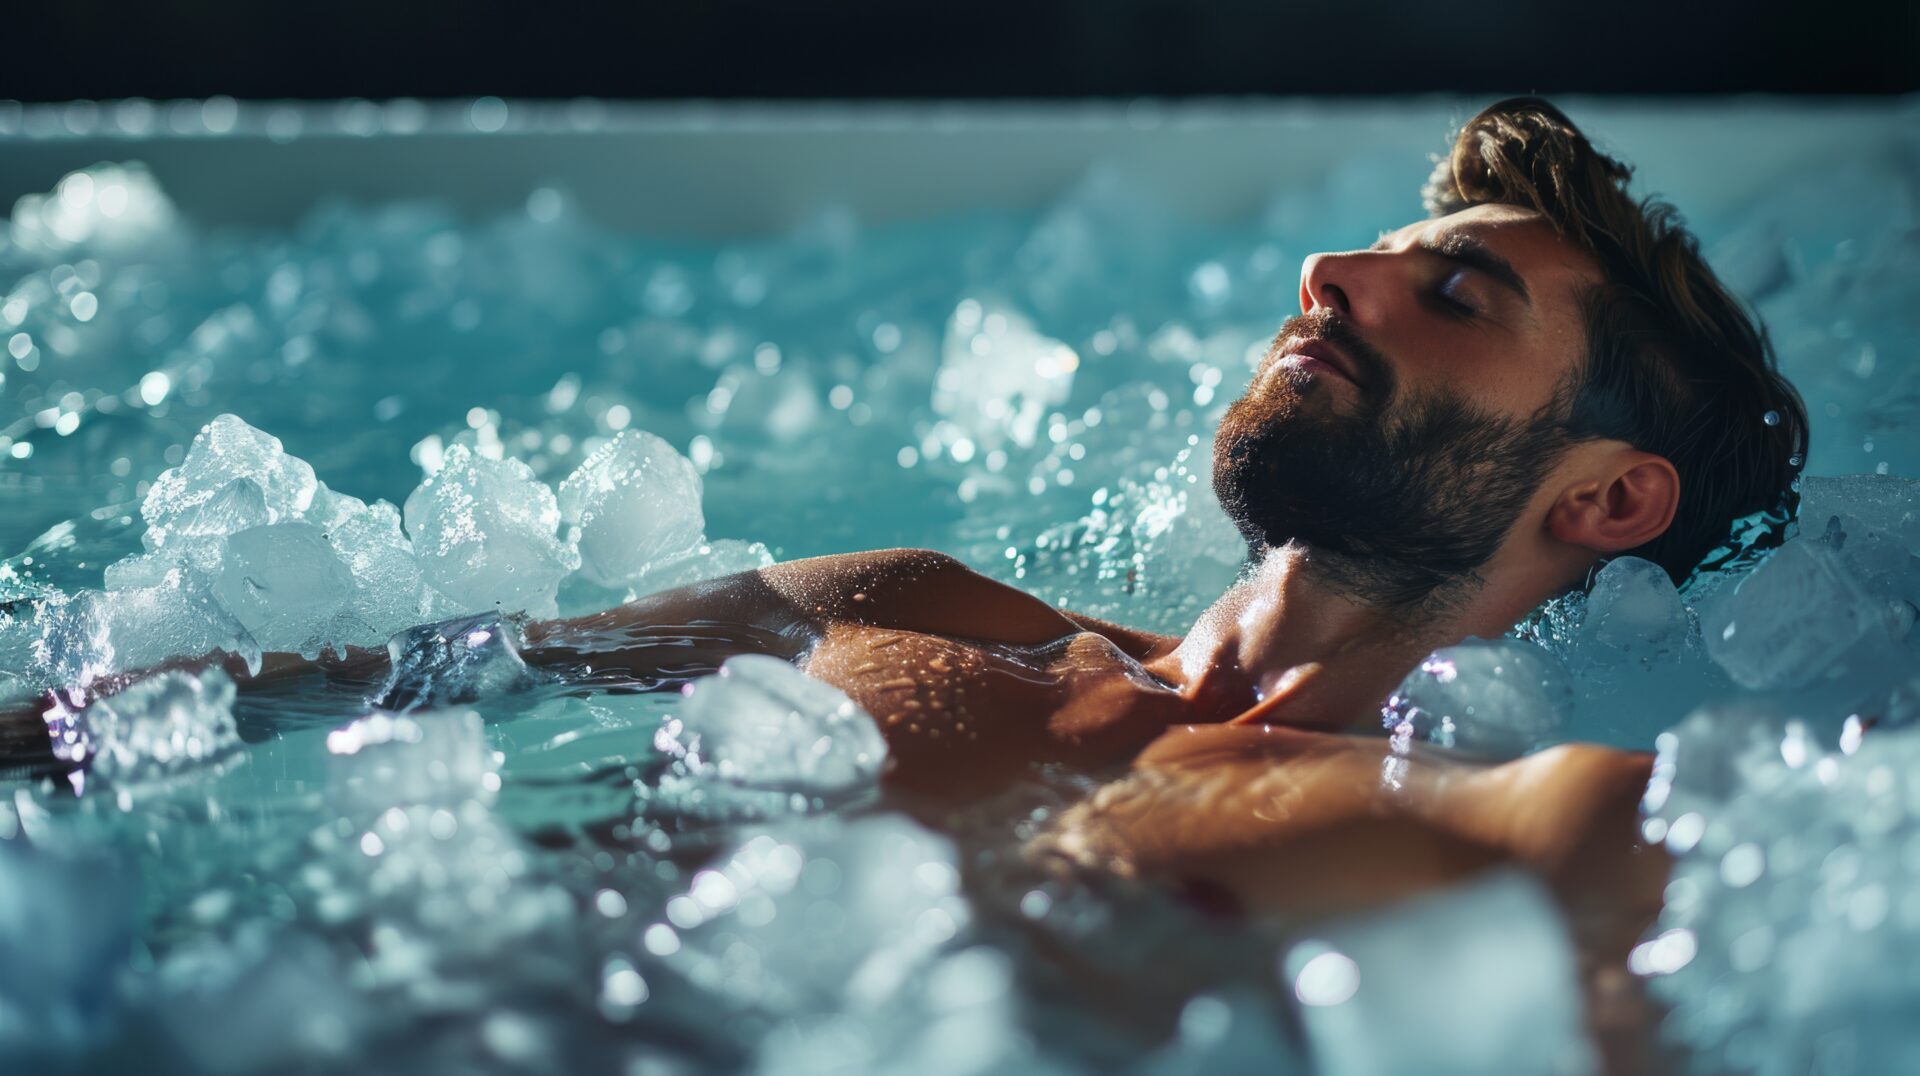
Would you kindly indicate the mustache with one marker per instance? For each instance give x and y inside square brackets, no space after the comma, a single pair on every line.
[1376,373]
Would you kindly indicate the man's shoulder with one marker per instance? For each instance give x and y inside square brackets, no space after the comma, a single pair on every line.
[927,590]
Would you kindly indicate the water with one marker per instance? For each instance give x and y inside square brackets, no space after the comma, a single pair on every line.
[445,420]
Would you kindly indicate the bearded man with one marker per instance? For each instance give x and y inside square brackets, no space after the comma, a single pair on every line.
[1463,421]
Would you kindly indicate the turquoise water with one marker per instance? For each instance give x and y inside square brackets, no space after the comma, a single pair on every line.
[514,883]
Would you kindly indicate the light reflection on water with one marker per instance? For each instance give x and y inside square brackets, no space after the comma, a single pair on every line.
[498,896]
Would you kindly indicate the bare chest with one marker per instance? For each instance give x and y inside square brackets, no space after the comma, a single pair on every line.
[944,702]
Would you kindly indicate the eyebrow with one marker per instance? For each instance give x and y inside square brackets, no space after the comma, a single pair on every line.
[1466,250]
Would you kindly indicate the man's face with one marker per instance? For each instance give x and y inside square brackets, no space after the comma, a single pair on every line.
[1401,423]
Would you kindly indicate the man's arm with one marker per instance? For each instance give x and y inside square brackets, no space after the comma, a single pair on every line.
[786,606]
[1309,822]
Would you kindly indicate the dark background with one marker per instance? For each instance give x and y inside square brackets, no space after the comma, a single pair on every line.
[67,49]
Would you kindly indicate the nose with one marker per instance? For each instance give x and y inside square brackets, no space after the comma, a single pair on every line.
[1350,284]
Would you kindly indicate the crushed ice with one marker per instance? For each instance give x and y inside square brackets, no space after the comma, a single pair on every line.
[1036,396]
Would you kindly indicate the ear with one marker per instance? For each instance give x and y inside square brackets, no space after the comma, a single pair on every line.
[1630,504]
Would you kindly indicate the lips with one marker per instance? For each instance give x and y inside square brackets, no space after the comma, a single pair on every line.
[1325,353]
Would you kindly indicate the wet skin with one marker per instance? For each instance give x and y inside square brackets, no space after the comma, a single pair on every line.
[1233,746]
[972,682]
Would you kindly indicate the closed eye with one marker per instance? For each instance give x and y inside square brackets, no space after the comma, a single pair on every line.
[1450,296]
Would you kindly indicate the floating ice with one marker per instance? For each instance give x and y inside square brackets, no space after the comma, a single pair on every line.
[1883,503]
[1788,936]
[881,896]
[168,724]
[207,493]
[760,737]
[1497,698]
[285,585]
[1820,608]
[389,593]
[634,503]
[1477,979]
[998,377]
[100,209]
[95,633]
[454,661]
[1634,611]
[1150,553]
[347,331]
[1636,657]
[483,532]
[427,757]
[708,560]
[418,861]
[66,931]
[253,553]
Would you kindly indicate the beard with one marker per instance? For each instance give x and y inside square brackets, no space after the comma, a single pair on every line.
[1396,503]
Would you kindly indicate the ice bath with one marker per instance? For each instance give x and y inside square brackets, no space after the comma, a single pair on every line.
[404,434]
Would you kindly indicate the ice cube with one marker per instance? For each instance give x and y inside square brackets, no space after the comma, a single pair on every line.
[200,495]
[189,561]
[634,503]
[1882,563]
[483,531]
[454,661]
[93,633]
[1149,553]
[881,895]
[107,208]
[438,757]
[1885,503]
[1787,934]
[1635,657]
[998,377]
[760,736]
[389,593]
[415,859]
[1633,609]
[709,560]
[236,506]
[286,586]
[1803,617]
[168,724]
[1477,979]
[1498,698]
[66,932]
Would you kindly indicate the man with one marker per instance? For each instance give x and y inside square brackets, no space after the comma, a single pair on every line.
[1463,420]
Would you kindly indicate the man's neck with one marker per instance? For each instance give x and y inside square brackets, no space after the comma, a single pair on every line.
[1284,646]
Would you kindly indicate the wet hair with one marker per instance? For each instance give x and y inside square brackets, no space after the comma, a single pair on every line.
[1675,364]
